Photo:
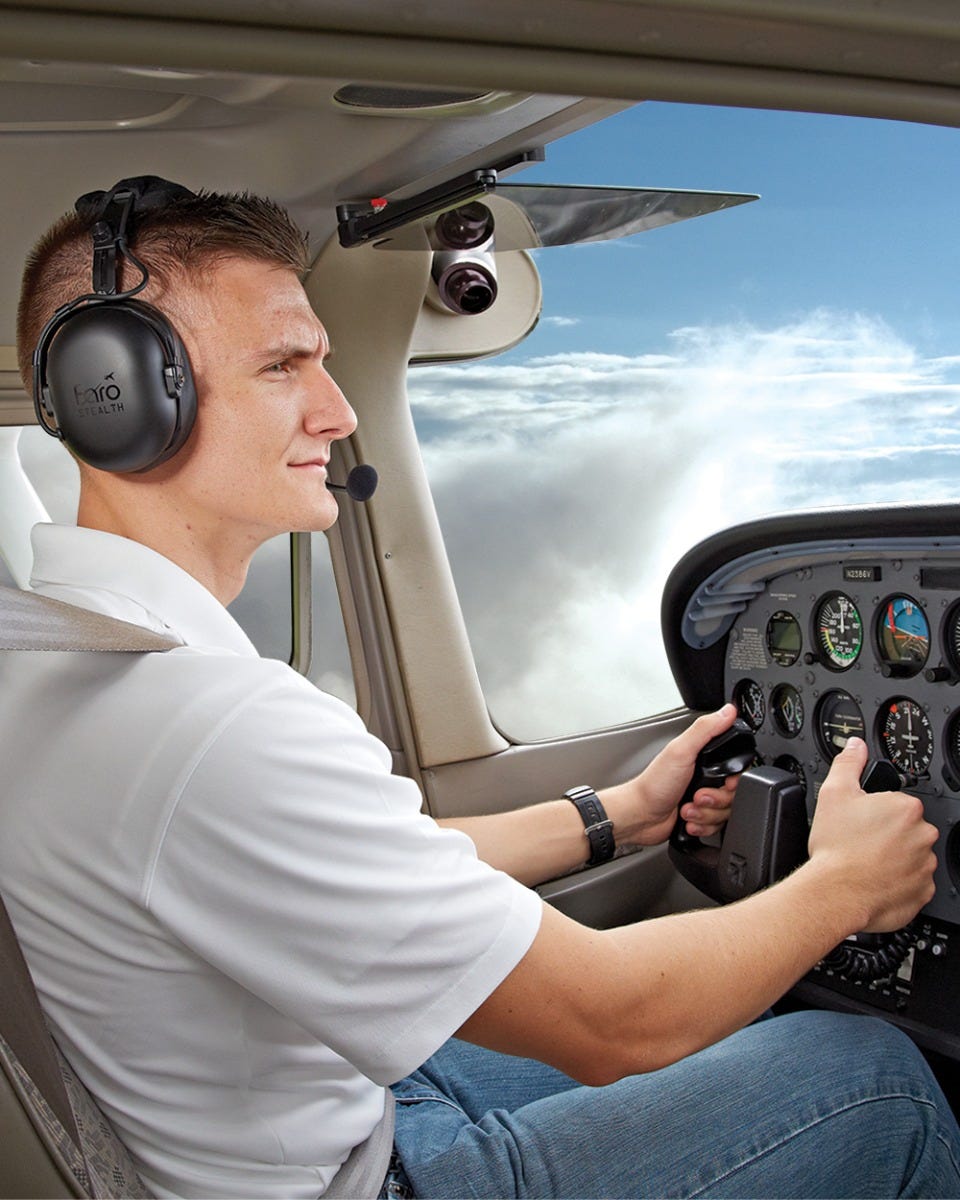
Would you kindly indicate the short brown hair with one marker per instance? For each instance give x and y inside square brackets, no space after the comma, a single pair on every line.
[184,235]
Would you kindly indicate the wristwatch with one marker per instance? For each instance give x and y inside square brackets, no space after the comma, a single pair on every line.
[597,825]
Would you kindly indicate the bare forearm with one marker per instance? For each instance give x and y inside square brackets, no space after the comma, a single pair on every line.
[635,999]
[546,840]
[603,1004]
[716,970]
[531,844]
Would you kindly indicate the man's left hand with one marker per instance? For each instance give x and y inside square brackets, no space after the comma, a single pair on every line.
[648,803]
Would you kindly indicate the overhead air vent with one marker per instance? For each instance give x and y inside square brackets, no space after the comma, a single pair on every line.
[392,100]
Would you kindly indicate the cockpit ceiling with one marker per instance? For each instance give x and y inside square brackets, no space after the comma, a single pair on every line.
[895,59]
[294,139]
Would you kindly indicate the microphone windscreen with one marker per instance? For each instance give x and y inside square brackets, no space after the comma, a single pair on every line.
[362,482]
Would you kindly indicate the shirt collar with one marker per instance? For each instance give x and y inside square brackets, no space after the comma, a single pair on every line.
[125,579]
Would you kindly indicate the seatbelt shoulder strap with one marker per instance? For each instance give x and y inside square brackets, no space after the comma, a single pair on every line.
[32,622]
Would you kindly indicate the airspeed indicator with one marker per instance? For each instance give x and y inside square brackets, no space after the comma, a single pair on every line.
[838,630]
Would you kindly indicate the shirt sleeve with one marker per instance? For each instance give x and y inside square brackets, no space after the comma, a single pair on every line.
[295,863]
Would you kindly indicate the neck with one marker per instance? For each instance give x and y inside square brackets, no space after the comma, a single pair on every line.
[216,556]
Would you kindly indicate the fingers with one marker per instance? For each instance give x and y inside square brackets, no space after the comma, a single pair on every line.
[884,843]
[709,810]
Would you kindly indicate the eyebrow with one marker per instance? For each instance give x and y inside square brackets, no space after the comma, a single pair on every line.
[292,349]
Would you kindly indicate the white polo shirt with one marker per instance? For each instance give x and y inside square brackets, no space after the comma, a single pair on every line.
[240,924]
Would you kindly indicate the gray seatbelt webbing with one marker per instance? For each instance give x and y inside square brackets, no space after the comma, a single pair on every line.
[32,622]
[363,1173]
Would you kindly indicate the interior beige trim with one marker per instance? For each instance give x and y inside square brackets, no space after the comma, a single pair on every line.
[65,125]
[876,64]
[370,301]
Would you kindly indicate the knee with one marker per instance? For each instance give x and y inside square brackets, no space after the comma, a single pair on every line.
[856,1045]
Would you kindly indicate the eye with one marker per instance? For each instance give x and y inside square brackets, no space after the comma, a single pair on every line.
[278,368]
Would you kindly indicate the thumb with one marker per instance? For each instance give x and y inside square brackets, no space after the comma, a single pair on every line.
[693,739]
[847,767]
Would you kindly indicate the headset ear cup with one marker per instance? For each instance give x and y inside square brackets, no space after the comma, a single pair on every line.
[120,386]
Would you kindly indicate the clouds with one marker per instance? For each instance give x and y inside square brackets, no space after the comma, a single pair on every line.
[568,485]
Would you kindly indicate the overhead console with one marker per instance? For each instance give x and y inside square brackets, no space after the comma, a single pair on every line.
[824,625]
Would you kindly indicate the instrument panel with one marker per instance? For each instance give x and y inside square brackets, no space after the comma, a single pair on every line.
[819,628]
[830,651]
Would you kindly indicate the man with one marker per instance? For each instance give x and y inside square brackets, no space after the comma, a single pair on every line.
[242,928]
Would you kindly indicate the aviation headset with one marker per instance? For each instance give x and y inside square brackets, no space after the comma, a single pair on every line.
[111,376]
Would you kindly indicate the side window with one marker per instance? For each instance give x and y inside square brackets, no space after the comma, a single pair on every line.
[794,352]
[264,608]
[330,667]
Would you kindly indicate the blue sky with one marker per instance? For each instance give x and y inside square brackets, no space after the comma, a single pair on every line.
[854,214]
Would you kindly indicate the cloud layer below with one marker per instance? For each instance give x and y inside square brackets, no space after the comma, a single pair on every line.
[568,486]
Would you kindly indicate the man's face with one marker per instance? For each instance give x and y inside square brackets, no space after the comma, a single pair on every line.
[268,410]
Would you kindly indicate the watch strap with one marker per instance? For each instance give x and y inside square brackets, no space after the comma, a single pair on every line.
[597,825]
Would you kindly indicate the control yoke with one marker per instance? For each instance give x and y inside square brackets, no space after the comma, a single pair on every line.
[766,836]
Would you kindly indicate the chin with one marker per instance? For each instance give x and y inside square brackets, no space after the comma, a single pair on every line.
[319,519]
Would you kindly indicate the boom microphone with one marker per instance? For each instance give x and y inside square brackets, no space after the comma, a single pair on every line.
[361,483]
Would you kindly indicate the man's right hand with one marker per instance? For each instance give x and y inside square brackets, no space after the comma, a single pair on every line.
[884,839]
[599,1004]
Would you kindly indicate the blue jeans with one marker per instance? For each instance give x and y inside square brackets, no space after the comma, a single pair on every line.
[811,1104]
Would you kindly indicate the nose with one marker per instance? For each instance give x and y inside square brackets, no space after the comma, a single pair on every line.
[329,413]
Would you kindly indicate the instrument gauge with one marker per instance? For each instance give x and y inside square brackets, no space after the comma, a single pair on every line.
[951,748]
[838,717]
[783,638]
[951,637]
[905,735]
[903,635]
[786,707]
[748,697]
[838,630]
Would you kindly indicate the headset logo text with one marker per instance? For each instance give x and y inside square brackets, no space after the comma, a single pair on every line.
[103,400]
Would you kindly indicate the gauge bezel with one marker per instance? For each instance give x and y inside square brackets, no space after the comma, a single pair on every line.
[774,709]
[825,747]
[777,654]
[879,724]
[951,620]
[903,669]
[823,654]
[950,748]
[742,685]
